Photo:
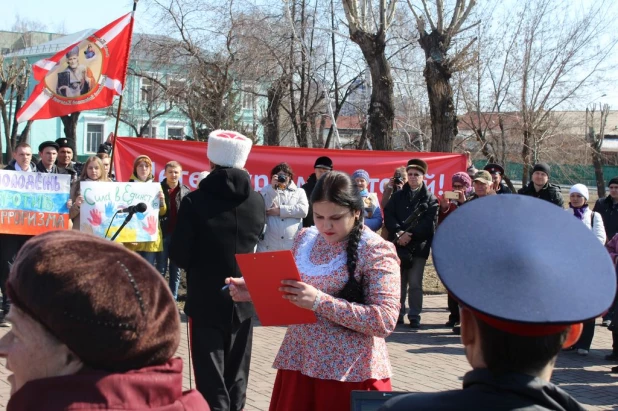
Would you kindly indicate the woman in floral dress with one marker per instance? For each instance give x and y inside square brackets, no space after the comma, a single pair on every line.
[320,364]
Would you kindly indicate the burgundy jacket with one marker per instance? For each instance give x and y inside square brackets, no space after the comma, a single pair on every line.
[151,388]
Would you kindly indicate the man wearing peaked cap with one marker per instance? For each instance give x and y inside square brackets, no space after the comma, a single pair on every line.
[520,305]
[410,217]
[497,171]
[65,162]
[483,185]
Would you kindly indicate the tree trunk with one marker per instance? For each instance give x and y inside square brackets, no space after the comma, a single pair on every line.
[5,123]
[525,158]
[70,129]
[437,75]
[25,133]
[597,161]
[382,105]
[271,124]
[321,130]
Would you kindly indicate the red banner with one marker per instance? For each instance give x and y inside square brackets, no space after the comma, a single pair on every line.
[192,155]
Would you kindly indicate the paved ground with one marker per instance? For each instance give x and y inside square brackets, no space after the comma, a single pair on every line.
[423,361]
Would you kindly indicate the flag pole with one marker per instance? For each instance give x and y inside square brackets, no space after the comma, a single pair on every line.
[111,160]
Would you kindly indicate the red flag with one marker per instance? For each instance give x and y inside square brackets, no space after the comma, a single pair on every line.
[84,76]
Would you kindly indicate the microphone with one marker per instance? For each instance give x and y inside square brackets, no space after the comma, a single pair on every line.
[138,208]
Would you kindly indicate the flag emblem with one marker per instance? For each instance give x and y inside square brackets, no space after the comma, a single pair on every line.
[84,76]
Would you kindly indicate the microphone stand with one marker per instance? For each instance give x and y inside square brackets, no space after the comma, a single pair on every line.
[124,223]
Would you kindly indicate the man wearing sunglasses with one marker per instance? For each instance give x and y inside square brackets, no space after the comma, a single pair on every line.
[410,218]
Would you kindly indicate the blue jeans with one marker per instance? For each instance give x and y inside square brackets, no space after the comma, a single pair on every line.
[161,264]
[149,256]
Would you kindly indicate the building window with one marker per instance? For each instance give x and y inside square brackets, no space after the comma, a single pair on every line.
[176,91]
[94,137]
[175,133]
[147,89]
[248,95]
[147,132]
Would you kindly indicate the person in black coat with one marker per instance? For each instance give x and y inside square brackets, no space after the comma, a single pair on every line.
[540,187]
[515,318]
[220,219]
[322,166]
[412,239]
[608,208]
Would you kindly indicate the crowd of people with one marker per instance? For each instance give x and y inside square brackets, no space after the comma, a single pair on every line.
[361,262]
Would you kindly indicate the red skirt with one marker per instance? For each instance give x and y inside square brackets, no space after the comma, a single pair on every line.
[294,391]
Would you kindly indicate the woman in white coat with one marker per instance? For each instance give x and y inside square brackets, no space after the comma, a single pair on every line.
[578,205]
[286,206]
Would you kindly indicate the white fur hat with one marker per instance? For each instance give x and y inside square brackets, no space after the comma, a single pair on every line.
[228,148]
[580,189]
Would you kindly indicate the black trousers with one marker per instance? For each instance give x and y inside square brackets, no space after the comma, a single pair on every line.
[453,307]
[221,360]
[9,247]
[587,335]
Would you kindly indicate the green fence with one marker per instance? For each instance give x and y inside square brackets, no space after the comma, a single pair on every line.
[563,174]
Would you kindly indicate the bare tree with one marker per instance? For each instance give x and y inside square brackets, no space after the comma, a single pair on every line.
[595,140]
[156,101]
[560,59]
[204,53]
[531,63]
[69,123]
[14,77]
[26,26]
[368,24]
[440,66]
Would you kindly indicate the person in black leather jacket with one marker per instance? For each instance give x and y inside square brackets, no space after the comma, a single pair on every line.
[540,187]
[413,243]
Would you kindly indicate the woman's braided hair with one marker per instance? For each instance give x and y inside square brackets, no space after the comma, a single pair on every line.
[338,188]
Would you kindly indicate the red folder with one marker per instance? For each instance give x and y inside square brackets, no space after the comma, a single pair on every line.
[263,273]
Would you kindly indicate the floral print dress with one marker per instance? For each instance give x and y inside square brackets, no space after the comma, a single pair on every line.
[347,342]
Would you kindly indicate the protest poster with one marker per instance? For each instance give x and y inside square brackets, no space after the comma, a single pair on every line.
[102,200]
[33,203]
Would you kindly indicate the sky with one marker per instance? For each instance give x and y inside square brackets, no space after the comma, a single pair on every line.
[72,16]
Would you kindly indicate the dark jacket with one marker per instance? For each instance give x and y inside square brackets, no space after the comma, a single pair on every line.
[401,206]
[482,391]
[308,187]
[504,189]
[550,192]
[55,170]
[184,190]
[220,219]
[609,213]
[11,165]
[74,169]
[152,388]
